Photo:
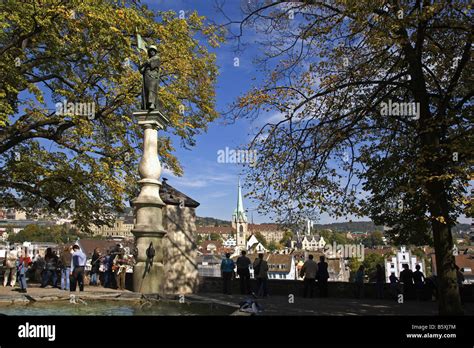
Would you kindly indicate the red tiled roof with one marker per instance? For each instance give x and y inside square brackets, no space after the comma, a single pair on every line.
[462,261]
[265,227]
[213,229]
[274,259]
[220,249]
[465,261]
[230,229]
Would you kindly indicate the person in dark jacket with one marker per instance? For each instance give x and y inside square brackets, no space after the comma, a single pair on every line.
[109,279]
[95,266]
[379,281]
[406,278]
[260,269]
[243,263]
[359,281]
[419,280]
[322,276]
[51,266]
[65,266]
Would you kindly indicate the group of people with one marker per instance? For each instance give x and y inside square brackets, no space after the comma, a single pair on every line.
[260,269]
[68,268]
[15,269]
[311,271]
[70,265]
[408,284]
[114,266]
[411,284]
[378,276]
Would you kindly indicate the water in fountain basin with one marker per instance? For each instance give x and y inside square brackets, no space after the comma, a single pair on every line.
[110,308]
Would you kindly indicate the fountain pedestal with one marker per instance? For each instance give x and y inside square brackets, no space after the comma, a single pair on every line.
[148,274]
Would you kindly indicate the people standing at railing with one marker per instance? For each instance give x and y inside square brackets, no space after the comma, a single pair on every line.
[322,276]
[121,262]
[379,281]
[227,270]
[38,267]
[78,264]
[406,277]
[419,280]
[95,266]
[394,286]
[108,271]
[359,281]
[10,267]
[113,266]
[260,269]
[308,271]
[65,267]
[243,263]
[22,269]
[50,272]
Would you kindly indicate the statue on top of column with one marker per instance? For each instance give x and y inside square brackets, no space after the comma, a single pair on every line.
[151,78]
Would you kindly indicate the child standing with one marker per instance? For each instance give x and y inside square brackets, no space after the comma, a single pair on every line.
[22,269]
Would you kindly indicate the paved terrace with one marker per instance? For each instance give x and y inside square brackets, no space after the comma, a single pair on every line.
[341,300]
[273,305]
[279,305]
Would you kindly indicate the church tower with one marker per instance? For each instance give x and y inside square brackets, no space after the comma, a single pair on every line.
[240,222]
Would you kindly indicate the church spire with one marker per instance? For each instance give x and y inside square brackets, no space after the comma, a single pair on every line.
[239,213]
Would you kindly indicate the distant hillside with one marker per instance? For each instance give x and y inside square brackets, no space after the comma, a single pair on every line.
[461,227]
[355,226]
[209,221]
[369,226]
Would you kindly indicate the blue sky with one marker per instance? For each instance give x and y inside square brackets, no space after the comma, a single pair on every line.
[214,184]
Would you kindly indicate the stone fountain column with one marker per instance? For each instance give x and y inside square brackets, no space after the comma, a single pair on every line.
[148,273]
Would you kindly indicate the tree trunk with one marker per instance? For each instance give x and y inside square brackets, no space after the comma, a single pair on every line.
[449,300]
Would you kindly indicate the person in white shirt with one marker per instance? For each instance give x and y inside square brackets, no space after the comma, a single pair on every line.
[78,263]
[10,267]
[308,271]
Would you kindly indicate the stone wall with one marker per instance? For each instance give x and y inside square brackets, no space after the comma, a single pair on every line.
[180,250]
[295,287]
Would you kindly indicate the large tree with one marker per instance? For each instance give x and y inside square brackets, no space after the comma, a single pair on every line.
[86,52]
[332,69]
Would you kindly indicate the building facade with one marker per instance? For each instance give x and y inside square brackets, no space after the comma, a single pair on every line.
[312,243]
[271,232]
[403,256]
[121,228]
